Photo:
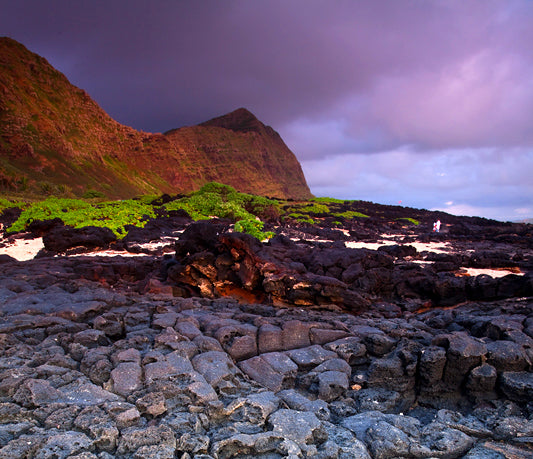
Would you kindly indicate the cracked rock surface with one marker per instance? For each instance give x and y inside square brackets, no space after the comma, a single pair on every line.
[89,370]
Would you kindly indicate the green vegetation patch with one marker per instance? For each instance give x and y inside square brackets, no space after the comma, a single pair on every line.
[309,208]
[301,218]
[6,204]
[223,201]
[349,214]
[411,220]
[329,200]
[114,215]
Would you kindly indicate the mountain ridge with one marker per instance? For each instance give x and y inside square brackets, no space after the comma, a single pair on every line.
[55,139]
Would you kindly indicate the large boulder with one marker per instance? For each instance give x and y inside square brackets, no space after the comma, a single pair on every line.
[63,238]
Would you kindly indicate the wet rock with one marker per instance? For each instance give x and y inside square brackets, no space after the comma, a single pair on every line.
[385,440]
[91,338]
[166,367]
[342,385]
[342,443]
[378,399]
[110,323]
[218,370]
[295,334]
[255,445]
[431,369]
[332,384]
[441,441]
[351,349]
[128,418]
[481,381]
[152,404]
[269,339]
[238,341]
[195,445]
[36,392]
[379,344]
[309,357]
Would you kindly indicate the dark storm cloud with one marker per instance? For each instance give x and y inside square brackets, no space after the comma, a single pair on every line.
[424,87]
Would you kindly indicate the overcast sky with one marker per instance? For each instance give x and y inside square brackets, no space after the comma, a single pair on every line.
[424,102]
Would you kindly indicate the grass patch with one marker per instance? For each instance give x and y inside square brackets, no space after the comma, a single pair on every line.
[410,220]
[325,200]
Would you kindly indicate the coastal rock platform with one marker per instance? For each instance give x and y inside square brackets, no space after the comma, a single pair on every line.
[99,359]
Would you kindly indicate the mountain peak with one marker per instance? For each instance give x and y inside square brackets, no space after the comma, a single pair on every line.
[240,120]
[55,139]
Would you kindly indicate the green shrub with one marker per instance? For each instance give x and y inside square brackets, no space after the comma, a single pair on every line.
[212,200]
[349,214]
[309,209]
[5,204]
[411,220]
[328,200]
[223,201]
[301,218]
[114,215]
[253,227]
[91,194]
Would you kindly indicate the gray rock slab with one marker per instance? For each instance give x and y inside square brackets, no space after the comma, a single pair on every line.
[303,427]
[311,356]
[275,370]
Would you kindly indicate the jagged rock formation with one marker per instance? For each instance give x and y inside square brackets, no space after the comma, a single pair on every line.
[54,137]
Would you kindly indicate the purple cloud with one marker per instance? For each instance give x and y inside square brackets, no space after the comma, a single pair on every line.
[372,84]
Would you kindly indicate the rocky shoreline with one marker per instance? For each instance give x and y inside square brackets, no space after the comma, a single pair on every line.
[320,351]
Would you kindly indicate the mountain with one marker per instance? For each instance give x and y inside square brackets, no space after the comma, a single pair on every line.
[55,139]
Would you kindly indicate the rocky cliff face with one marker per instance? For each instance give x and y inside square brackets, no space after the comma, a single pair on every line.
[54,137]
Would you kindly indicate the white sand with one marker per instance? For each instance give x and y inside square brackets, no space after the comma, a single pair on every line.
[27,249]
[22,249]
[437,247]
[490,272]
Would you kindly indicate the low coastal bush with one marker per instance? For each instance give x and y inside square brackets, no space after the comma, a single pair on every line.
[253,227]
[223,201]
[349,214]
[114,215]
[301,218]
[214,200]
[410,220]
[6,204]
[329,200]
